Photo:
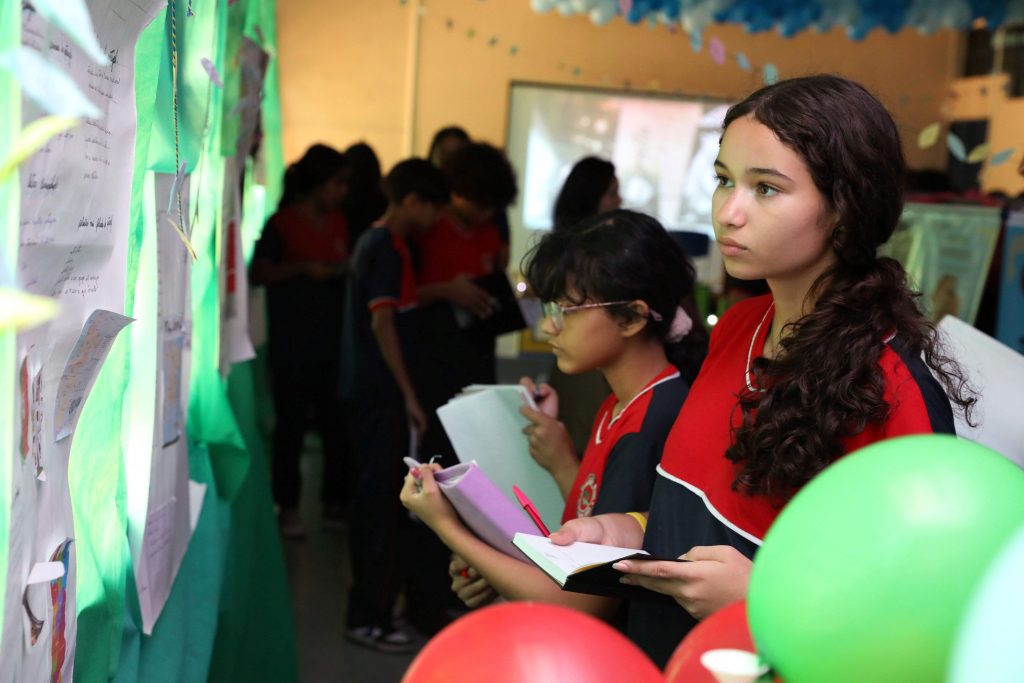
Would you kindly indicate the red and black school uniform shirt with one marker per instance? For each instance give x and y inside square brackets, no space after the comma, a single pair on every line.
[304,316]
[381,276]
[449,360]
[450,249]
[617,471]
[694,503]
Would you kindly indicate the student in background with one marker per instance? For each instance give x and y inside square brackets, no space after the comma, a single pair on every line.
[379,340]
[591,188]
[463,244]
[616,287]
[835,358]
[444,144]
[301,259]
[365,201]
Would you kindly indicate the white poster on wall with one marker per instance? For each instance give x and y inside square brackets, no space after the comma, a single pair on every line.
[73,235]
[946,251]
[167,526]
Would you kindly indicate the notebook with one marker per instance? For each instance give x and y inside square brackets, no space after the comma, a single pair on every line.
[506,316]
[481,506]
[486,426]
[587,567]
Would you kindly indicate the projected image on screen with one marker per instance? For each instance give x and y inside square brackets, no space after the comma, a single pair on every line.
[663,150]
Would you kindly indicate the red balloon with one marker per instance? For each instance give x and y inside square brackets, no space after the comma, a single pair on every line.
[524,641]
[727,628]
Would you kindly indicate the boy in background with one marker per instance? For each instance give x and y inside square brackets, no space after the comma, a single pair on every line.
[463,244]
[378,336]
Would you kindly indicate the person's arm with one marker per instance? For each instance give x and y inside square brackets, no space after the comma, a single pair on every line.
[460,291]
[511,578]
[551,447]
[615,528]
[715,576]
[269,267]
[472,589]
[382,323]
[265,272]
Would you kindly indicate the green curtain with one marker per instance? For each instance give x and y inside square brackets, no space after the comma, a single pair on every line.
[229,615]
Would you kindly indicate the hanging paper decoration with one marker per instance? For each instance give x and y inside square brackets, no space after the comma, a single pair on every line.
[716,48]
[928,136]
[1001,157]
[771,74]
[742,61]
[696,41]
[790,17]
[956,146]
[979,153]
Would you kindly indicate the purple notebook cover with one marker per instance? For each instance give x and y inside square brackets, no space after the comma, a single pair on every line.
[484,508]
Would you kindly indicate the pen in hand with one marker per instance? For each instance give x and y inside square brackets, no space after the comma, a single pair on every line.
[530,510]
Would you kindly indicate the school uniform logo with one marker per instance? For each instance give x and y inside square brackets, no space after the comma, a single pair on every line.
[588,496]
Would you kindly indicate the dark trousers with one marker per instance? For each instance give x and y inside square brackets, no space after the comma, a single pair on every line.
[379,530]
[298,395]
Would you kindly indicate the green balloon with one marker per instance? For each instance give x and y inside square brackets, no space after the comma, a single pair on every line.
[868,571]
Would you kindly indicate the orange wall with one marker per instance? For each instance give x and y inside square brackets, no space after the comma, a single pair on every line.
[346,68]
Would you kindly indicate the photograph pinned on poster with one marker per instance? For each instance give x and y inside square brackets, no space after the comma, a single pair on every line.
[83,366]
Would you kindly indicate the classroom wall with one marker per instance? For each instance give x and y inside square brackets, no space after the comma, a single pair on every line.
[347,69]
[985,97]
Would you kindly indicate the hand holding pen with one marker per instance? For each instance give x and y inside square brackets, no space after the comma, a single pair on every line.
[544,396]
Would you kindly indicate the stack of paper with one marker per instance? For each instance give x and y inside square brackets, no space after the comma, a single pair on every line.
[484,425]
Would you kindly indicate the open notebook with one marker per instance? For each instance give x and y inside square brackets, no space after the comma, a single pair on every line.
[587,567]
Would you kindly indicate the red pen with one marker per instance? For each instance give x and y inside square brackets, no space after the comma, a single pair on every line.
[530,510]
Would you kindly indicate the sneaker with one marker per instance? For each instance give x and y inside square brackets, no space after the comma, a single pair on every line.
[389,639]
[290,524]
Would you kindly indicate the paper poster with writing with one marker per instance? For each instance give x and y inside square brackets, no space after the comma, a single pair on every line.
[82,367]
[946,251]
[73,235]
[166,530]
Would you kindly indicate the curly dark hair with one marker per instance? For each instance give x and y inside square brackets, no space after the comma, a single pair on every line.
[826,383]
[482,174]
[622,256]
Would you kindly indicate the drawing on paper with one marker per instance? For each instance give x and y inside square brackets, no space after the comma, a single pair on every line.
[58,596]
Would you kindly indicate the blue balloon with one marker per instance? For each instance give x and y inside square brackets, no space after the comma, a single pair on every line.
[988,645]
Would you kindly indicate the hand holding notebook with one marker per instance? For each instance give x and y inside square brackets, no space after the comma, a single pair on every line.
[481,505]
[587,567]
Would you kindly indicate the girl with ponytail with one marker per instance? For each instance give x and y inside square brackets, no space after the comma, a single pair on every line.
[810,183]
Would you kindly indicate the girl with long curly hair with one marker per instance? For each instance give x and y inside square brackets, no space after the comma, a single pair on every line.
[810,184]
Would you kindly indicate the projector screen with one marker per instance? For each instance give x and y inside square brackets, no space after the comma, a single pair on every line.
[663,149]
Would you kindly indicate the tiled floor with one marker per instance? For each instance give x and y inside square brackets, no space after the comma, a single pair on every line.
[318,571]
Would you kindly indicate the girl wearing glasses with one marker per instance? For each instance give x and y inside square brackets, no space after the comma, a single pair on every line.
[835,358]
[618,286]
